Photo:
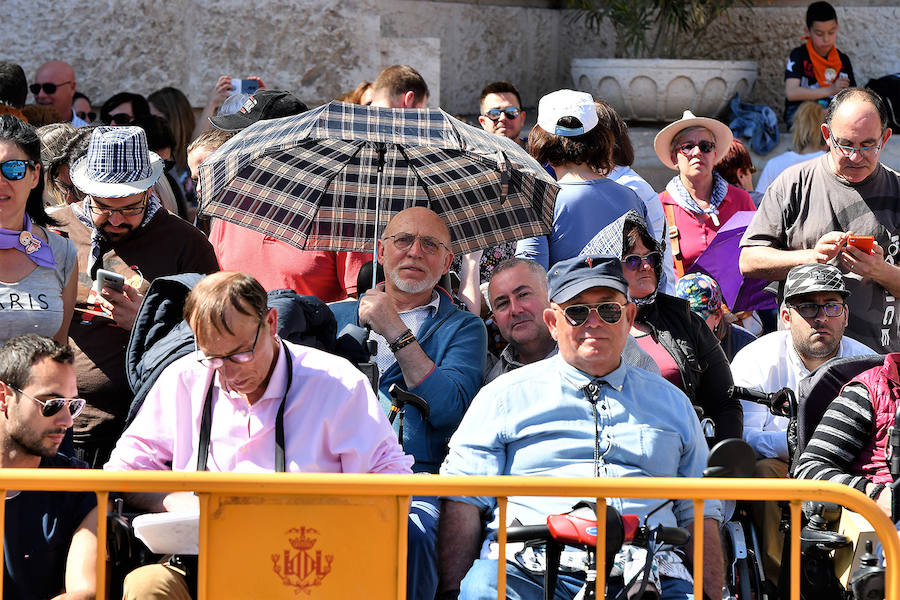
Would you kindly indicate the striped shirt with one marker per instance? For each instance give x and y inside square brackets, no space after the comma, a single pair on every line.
[843,432]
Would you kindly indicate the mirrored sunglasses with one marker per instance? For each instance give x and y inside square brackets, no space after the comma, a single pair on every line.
[54,405]
[14,170]
[636,261]
[610,312]
[511,112]
[688,147]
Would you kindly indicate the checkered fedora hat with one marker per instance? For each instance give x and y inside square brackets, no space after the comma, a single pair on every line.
[117,164]
[807,279]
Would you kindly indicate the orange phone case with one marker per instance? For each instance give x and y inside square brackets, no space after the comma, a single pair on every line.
[863,242]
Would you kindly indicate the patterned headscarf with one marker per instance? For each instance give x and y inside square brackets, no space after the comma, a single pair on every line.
[701,291]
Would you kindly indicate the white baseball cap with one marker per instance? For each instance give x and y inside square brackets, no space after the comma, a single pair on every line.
[567,103]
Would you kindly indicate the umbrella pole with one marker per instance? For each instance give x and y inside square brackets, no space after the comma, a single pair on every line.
[380,149]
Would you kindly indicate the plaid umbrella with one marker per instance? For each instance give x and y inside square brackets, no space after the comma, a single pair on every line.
[312,180]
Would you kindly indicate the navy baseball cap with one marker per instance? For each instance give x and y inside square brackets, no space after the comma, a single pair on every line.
[261,106]
[568,278]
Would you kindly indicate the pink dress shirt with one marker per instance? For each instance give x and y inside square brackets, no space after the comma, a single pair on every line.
[332,422]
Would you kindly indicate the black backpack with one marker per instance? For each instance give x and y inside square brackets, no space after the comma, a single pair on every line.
[888,87]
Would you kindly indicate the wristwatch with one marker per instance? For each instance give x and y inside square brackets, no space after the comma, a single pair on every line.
[403,340]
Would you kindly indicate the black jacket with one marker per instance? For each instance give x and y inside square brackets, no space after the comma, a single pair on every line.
[705,372]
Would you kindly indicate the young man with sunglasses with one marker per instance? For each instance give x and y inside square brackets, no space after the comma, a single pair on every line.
[549,419]
[813,315]
[54,85]
[813,211]
[248,401]
[501,111]
[426,345]
[118,225]
[50,539]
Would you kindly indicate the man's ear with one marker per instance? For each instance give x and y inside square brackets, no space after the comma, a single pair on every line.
[630,314]
[785,314]
[825,133]
[6,396]
[272,321]
[550,317]
[379,254]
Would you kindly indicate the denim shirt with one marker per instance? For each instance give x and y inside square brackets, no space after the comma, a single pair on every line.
[537,421]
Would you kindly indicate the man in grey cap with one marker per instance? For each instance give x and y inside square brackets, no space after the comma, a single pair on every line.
[548,418]
[814,315]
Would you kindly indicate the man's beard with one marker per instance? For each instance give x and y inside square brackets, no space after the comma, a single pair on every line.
[116,236]
[30,442]
[410,286]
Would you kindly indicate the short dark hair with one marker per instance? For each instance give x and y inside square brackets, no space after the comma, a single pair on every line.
[593,148]
[78,95]
[18,355]
[396,80]
[139,106]
[75,148]
[735,160]
[864,94]
[498,87]
[623,151]
[208,301]
[13,84]
[819,12]
[25,137]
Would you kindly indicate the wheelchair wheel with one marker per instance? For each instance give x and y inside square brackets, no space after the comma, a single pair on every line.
[748,585]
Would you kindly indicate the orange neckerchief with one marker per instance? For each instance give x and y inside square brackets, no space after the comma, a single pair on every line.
[824,66]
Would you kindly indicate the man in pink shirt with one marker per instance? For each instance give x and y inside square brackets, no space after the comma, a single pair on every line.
[248,401]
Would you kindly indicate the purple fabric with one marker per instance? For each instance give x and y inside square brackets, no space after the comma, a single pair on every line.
[720,261]
[30,245]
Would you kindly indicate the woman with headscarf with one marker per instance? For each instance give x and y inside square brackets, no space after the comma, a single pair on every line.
[683,346]
[697,201]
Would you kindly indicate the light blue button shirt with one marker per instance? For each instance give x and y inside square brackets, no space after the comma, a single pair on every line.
[537,421]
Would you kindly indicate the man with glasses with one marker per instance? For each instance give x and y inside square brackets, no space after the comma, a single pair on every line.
[50,539]
[54,85]
[118,225]
[426,345]
[813,211]
[518,297]
[248,401]
[501,111]
[549,419]
[814,315]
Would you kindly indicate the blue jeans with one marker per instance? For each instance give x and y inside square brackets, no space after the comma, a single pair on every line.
[421,557]
[480,583]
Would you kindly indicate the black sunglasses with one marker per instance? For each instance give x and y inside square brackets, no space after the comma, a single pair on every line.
[120,119]
[49,88]
[610,312]
[636,261]
[86,116]
[511,112]
[14,170]
[688,147]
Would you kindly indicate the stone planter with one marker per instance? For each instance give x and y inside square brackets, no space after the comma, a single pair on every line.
[661,89]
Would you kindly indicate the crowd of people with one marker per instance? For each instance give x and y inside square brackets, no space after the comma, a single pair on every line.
[586,352]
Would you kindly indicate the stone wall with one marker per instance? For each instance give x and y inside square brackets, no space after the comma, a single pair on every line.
[321,48]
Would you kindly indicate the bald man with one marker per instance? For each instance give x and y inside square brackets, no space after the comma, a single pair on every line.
[54,85]
[425,345]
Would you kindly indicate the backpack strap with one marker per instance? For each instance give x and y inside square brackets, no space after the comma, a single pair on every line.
[669,209]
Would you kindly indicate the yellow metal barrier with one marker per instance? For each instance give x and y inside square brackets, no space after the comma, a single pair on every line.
[340,536]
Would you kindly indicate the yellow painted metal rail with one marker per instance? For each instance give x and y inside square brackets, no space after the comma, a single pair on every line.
[339,536]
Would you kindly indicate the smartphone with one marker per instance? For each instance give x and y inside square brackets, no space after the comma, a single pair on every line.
[110,280]
[244,86]
[863,242]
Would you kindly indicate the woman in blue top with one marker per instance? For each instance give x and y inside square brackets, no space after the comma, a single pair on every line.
[38,268]
[570,138]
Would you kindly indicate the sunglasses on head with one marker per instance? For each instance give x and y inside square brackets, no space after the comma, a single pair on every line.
[610,312]
[14,170]
[49,88]
[54,405]
[86,116]
[636,261]
[120,119]
[511,112]
[688,147]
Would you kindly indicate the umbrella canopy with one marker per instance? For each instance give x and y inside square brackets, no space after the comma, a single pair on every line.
[311,180]
[720,261]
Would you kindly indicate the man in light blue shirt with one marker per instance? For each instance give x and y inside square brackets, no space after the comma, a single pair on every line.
[581,413]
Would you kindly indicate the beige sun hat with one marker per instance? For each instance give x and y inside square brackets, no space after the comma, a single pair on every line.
[662,143]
